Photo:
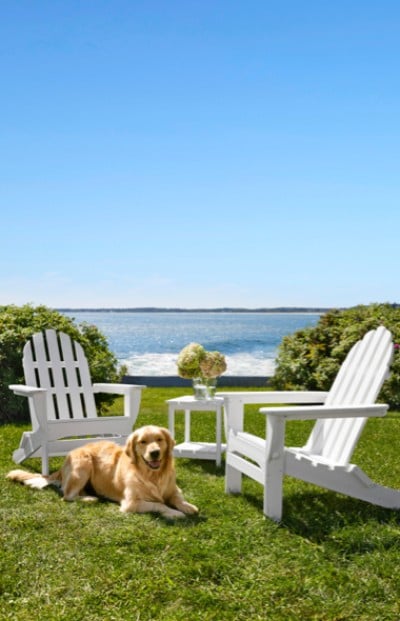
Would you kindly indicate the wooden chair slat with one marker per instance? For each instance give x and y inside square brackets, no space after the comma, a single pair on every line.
[75,367]
[358,382]
[65,414]
[325,458]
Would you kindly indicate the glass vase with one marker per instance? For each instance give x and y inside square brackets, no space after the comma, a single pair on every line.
[204,388]
[199,388]
[211,387]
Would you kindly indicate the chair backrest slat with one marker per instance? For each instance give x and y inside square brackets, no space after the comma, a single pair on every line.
[78,376]
[358,381]
[55,362]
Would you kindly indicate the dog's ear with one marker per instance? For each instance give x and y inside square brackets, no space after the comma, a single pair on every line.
[169,439]
[130,447]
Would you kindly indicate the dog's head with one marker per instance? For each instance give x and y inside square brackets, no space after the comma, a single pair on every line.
[150,446]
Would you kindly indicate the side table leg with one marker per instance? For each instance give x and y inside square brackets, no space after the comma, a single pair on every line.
[218,436]
[187,425]
[171,420]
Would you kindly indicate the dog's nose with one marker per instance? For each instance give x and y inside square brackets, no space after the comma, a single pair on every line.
[155,454]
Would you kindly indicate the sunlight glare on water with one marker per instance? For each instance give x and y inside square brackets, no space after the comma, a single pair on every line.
[148,343]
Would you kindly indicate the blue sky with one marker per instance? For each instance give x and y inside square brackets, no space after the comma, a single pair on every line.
[199,153]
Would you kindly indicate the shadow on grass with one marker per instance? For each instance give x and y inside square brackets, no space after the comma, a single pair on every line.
[317,514]
[205,465]
[322,516]
[186,522]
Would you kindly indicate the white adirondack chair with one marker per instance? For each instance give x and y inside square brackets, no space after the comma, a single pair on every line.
[61,400]
[325,458]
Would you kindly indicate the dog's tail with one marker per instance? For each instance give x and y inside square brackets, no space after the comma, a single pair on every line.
[37,481]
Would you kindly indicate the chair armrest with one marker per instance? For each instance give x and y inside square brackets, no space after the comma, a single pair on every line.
[117,389]
[234,402]
[323,411]
[274,396]
[132,394]
[26,391]
[37,403]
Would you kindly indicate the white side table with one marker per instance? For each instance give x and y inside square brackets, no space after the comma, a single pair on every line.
[191,448]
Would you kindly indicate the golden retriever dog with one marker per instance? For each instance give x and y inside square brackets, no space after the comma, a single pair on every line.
[139,476]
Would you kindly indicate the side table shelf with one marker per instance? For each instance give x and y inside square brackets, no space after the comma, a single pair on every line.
[193,448]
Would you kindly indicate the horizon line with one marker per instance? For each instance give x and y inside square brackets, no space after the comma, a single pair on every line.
[226,309]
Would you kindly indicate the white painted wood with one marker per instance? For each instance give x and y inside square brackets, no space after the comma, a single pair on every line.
[324,460]
[196,449]
[358,381]
[61,400]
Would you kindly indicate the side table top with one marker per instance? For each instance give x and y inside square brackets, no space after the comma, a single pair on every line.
[191,400]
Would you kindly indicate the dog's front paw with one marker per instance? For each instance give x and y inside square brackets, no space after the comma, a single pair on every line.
[189,509]
[173,513]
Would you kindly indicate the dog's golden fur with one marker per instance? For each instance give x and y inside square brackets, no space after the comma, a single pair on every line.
[139,476]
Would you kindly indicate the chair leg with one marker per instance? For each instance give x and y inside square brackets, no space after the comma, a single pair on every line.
[273,502]
[274,468]
[233,480]
[45,460]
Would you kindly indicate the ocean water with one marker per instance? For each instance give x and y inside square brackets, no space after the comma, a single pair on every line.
[148,343]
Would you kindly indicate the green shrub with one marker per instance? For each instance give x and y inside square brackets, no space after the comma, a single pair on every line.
[309,359]
[17,324]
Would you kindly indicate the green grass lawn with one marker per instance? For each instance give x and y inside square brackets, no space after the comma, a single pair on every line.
[332,558]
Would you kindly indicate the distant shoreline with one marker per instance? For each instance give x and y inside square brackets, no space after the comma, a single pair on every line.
[152,309]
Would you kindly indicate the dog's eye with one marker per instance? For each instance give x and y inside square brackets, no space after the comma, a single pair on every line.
[160,440]
[143,442]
